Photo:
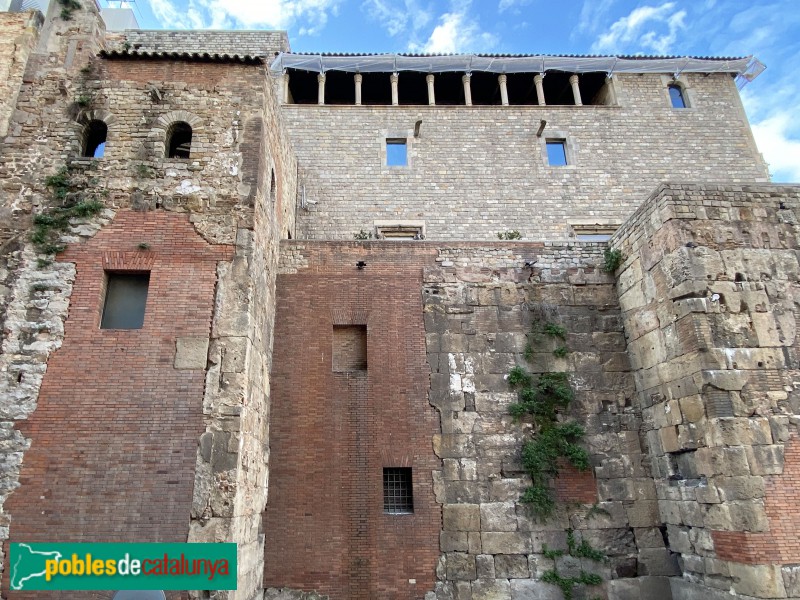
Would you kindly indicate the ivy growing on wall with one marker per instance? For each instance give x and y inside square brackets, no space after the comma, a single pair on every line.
[72,196]
[582,550]
[544,399]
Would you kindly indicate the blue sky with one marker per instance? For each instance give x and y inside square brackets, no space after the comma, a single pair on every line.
[768,29]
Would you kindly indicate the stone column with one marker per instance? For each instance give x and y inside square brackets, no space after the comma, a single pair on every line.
[321,88]
[467,88]
[285,88]
[503,89]
[612,91]
[537,79]
[431,93]
[394,79]
[576,91]
[357,77]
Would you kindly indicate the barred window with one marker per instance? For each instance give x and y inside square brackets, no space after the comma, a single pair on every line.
[398,497]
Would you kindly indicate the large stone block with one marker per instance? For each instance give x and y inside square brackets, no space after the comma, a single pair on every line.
[461,517]
[191,353]
[506,542]
[760,581]
[527,589]
[498,516]
[460,567]
[491,589]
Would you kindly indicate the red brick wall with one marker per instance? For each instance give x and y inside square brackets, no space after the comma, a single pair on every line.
[573,485]
[333,433]
[199,74]
[781,545]
[114,436]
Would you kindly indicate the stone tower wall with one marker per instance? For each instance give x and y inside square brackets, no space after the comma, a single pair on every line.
[709,300]
[476,171]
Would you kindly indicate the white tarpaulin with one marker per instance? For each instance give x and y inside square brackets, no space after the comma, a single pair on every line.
[467,63]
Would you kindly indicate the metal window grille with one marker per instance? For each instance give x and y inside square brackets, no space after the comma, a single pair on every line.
[398,498]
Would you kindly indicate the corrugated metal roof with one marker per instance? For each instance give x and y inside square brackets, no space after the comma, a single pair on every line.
[191,56]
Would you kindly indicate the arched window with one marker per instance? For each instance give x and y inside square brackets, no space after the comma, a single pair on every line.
[94,139]
[179,140]
[676,96]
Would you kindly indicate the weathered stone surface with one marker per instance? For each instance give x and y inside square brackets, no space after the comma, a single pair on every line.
[461,567]
[527,589]
[761,581]
[191,353]
[462,517]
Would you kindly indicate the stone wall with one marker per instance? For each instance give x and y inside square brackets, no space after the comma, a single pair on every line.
[709,299]
[236,190]
[475,171]
[252,43]
[19,33]
[480,304]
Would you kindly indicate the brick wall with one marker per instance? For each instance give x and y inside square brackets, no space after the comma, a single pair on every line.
[114,435]
[475,171]
[332,433]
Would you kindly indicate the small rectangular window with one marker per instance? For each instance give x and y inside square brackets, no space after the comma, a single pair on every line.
[557,153]
[398,497]
[126,297]
[396,152]
[593,233]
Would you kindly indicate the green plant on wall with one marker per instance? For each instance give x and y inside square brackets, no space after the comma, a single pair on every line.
[612,259]
[582,550]
[68,7]
[544,398]
[509,234]
[362,235]
[72,196]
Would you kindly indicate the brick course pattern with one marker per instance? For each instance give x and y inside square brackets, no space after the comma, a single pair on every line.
[114,436]
[332,433]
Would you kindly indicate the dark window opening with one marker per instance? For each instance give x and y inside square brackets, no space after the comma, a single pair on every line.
[412,88]
[557,153]
[485,89]
[449,89]
[273,187]
[179,140]
[349,348]
[398,497]
[557,89]
[521,89]
[676,96]
[126,297]
[593,88]
[303,86]
[396,152]
[376,88]
[94,139]
[340,88]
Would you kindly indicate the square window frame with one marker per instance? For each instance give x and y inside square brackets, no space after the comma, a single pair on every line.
[397,136]
[406,473]
[107,275]
[570,150]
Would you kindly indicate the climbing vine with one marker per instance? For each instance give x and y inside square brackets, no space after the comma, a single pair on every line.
[543,398]
[612,259]
[72,196]
[582,550]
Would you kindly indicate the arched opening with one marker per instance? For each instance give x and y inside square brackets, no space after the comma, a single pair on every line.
[676,96]
[94,139]
[179,140]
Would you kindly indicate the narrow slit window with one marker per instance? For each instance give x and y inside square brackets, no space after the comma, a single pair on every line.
[557,153]
[94,139]
[126,297]
[179,140]
[396,152]
[398,496]
[676,96]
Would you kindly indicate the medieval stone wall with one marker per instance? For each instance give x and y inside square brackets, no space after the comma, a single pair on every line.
[19,33]
[475,171]
[252,43]
[709,299]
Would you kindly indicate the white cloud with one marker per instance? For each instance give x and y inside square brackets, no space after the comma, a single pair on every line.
[780,150]
[506,4]
[218,14]
[396,19]
[456,33]
[592,13]
[652,28]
